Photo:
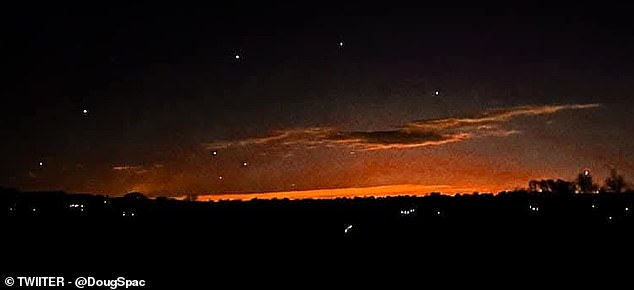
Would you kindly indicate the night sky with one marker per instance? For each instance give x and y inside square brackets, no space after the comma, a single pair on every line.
[322,100]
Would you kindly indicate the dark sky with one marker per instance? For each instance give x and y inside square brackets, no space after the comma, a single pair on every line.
[321,97]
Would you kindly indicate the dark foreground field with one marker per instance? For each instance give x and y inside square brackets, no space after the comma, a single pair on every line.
[167,241]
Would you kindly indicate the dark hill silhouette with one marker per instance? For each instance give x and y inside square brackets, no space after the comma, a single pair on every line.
[556,204]
[162,239]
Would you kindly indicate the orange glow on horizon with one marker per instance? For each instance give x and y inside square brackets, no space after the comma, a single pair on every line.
[376,191]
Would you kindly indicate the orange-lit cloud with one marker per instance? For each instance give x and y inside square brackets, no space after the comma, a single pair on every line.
[414,134]
[494,116]
[138,169]
[126,167]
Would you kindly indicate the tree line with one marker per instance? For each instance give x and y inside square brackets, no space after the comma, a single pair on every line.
[582,184]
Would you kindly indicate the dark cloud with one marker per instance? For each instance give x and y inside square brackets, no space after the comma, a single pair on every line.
[414,134]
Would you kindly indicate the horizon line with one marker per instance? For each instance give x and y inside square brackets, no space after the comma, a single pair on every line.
[351,192]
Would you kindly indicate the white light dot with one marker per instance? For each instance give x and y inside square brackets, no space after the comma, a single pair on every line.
[41,163]
[436,93]
[341,43]
[438,212]
[214,153]
[237,56]
[610,218]
[85,111]
[245,164]
[627,208]
[220,177]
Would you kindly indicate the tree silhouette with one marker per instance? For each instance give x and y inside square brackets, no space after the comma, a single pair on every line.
[615,183]
[135,196]
[550,185]
[533,185]
[584,182]
[561,186]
